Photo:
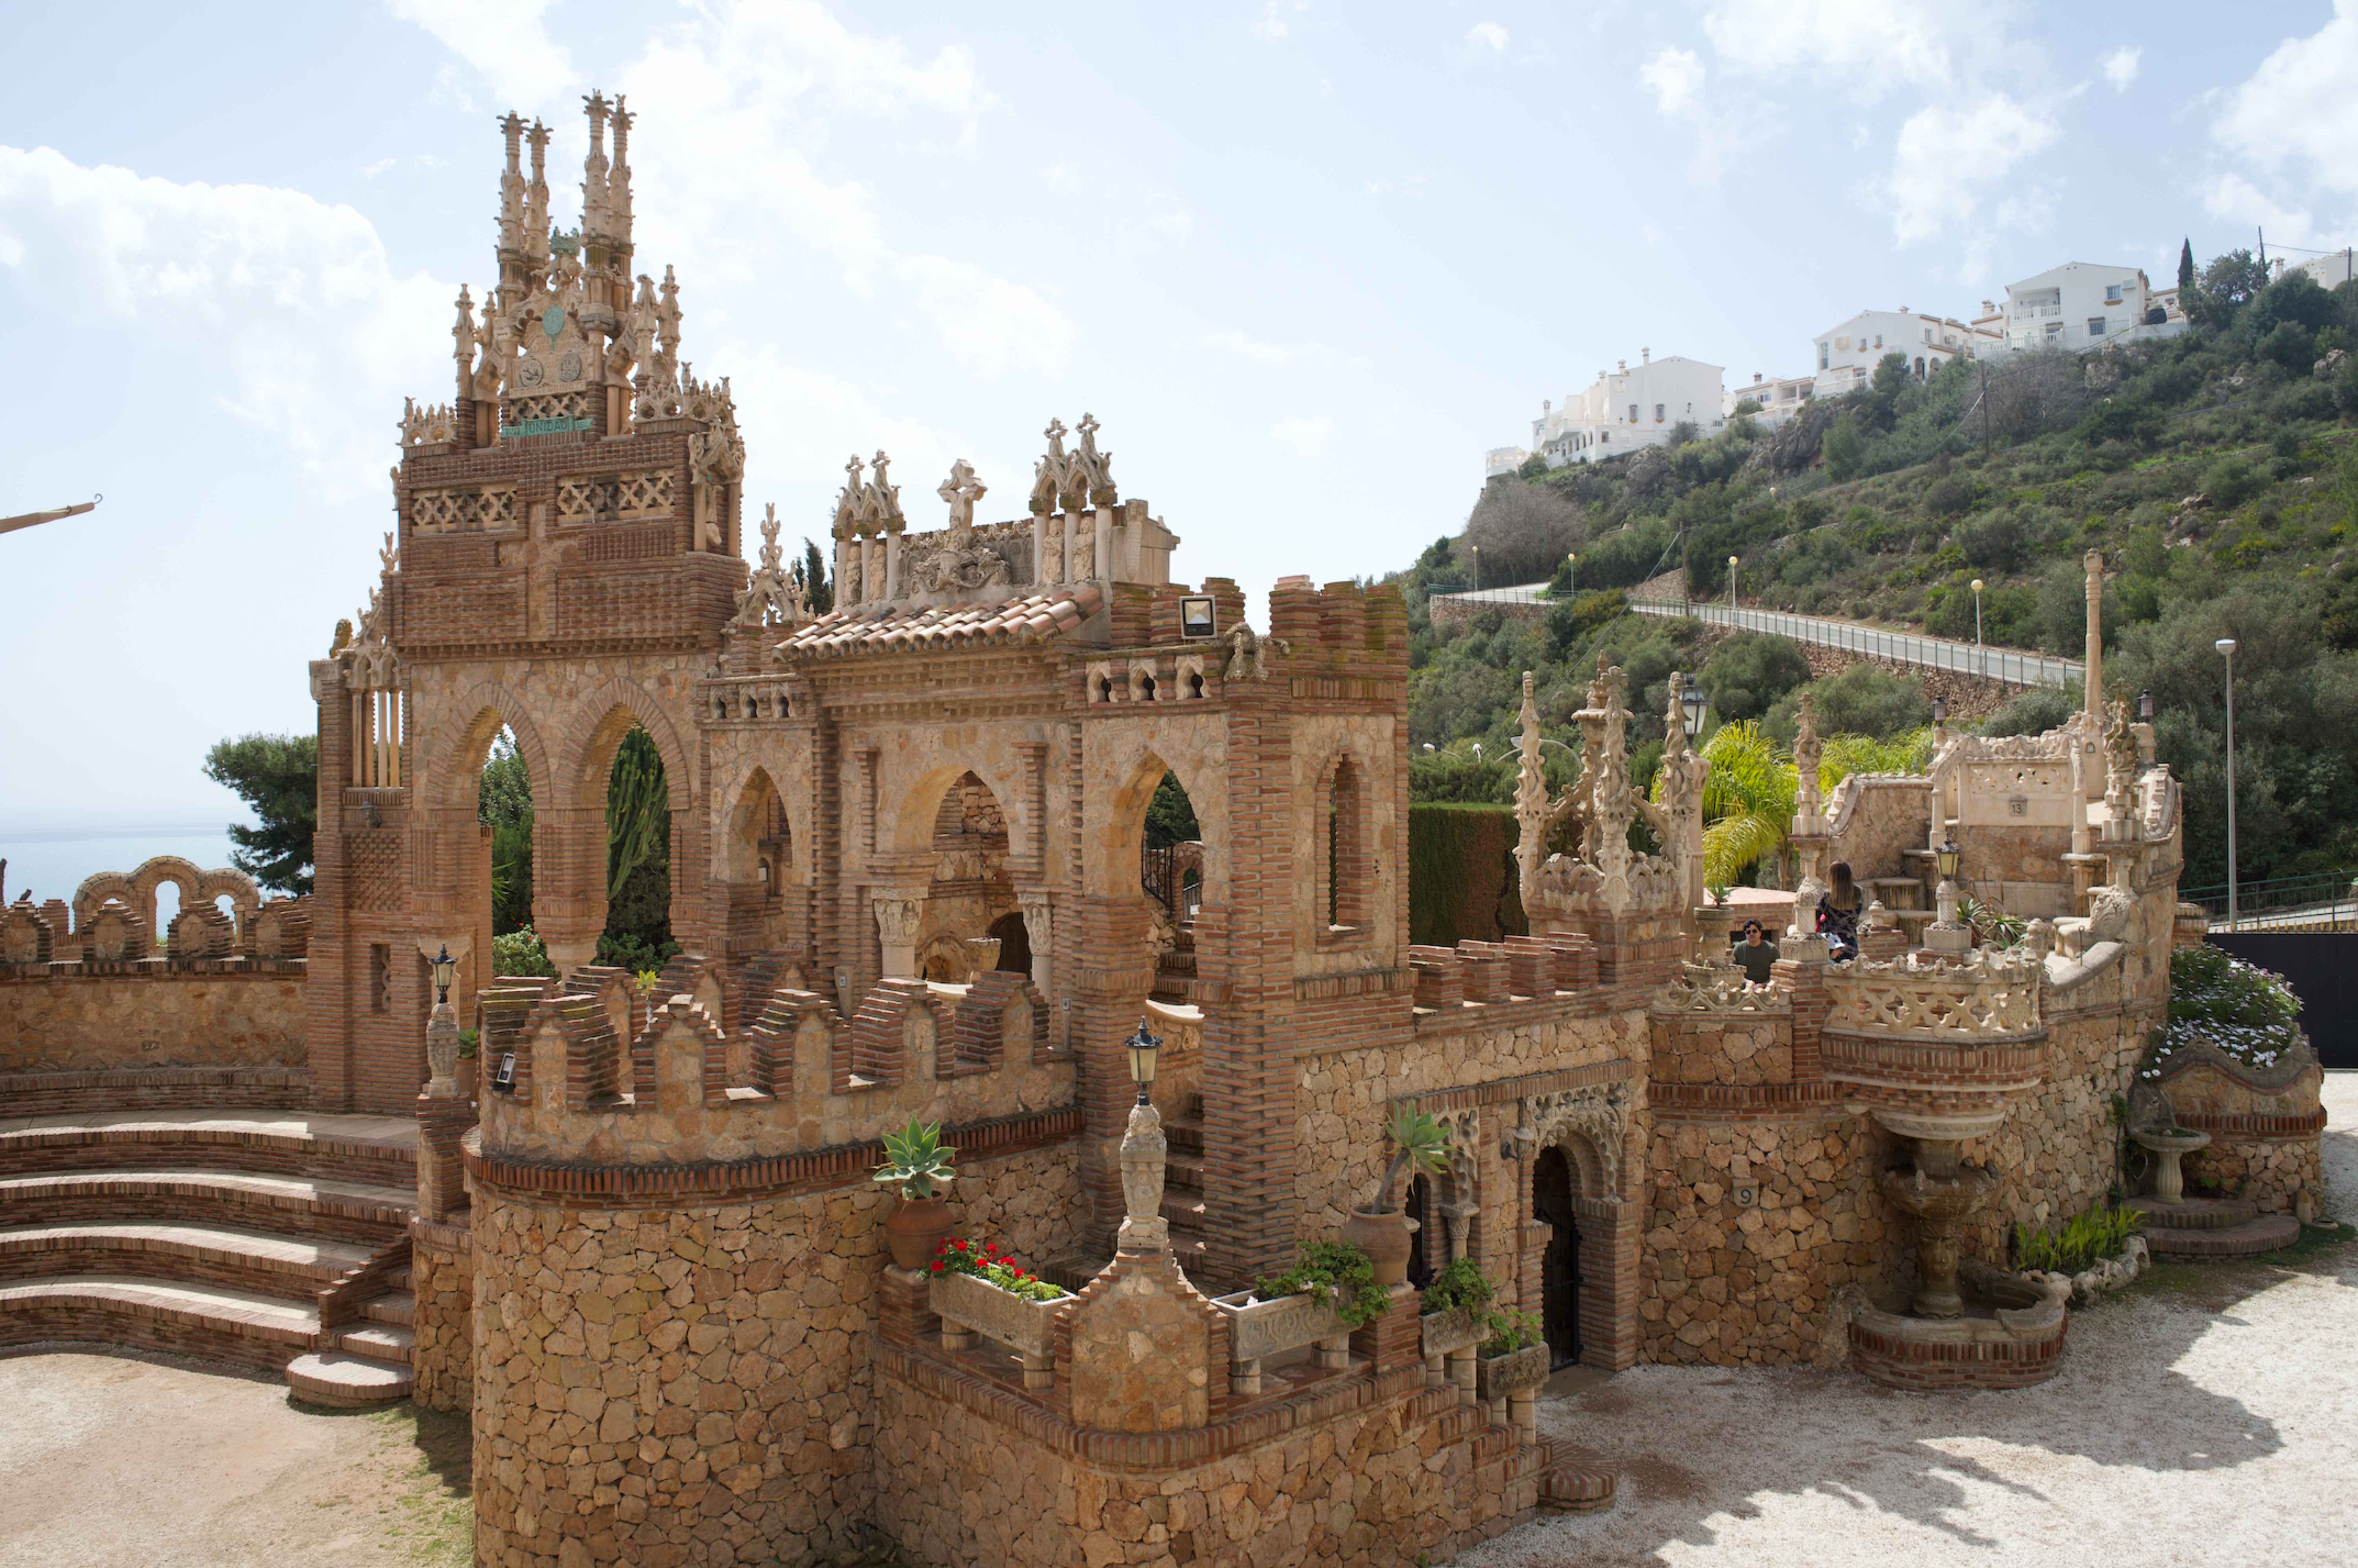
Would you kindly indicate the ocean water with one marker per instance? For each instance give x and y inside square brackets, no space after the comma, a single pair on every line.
[52,863]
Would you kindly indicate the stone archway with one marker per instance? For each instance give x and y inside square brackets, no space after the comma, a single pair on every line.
[1552,1191]
[1580,1262]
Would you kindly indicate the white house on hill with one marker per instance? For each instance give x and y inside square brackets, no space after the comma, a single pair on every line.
[1624,410]
[2077,306]
[1779,400]
[1847,352]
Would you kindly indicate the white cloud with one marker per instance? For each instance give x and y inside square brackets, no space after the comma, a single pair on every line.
[503,40]
[1254,349]
[2120,67]
[302,327]
[2233,199]
[2302,103]
[1946,157]
[988,323]
[1307,436]
[1675,75]
[1272,24]
[1867,47]
[1488,36]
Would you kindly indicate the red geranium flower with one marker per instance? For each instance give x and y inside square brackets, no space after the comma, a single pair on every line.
[937,1265]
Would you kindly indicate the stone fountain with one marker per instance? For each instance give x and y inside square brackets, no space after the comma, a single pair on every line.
[1938,1193]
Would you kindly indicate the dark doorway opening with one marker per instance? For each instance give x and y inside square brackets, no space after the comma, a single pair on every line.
[1560,1269]
[1015,943]
[1424,1250]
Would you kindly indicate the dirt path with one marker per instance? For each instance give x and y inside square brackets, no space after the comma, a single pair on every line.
[106,1461]
[2204,1417]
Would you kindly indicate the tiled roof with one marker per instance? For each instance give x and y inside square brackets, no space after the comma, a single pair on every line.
[890,629]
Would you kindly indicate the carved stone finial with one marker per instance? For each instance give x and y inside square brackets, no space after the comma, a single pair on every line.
[388,555]
[1051,474]
[961,490]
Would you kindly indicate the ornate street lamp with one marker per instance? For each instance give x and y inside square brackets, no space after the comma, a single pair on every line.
[444,968]
[1947,934]
[2144,707]
[1947,858]
[1142,1048]
[1691,709]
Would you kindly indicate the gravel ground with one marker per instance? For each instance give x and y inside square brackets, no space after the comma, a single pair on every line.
[2206,1416]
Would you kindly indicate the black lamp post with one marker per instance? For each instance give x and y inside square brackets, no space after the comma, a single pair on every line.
[1946,857]
[444,968]
[1691,709]
[1142,1048]
[2144,707]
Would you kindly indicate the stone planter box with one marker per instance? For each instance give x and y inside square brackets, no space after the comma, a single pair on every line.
[1026,1327]
[1446,1333]
[1260,1329]
[1495,1376]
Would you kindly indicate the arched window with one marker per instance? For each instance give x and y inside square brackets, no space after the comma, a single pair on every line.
[1345,842]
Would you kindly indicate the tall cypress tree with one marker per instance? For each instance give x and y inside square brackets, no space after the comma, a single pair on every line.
[2185,271]
[819,593]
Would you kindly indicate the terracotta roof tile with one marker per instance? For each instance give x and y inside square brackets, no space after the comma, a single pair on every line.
[1035,618]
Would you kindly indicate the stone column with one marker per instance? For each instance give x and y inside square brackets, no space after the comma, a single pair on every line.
[2092,701]
[1039,552]
[899,913]
[893,566]
[1101,564]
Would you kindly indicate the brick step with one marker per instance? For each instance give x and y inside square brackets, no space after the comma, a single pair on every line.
[1572,1489]
[2195,1213]
[297,1205]
[241,1328]
[385,1341]
[292,1267]
[1184,1212]
[397,1307]
[130,1088]
[332,1377]
[1185,1134]
[398,1280]
[1179,962]
[2265,1234]
[1182,1173]
[264,1146]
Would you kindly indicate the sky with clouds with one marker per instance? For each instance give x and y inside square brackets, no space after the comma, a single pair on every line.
[1305,261]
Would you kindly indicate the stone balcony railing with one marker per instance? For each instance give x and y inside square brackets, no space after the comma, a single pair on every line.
[1986,993]
[1262,1331]
[1936,1049]
[972,1308]
[1707,988]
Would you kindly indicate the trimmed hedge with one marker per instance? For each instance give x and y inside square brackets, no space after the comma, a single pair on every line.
[1461,874]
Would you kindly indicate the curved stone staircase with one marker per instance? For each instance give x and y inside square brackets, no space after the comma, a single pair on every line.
[2212,1228]
[261,1239]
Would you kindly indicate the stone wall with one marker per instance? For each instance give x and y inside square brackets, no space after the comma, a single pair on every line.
[442,1287]
[2265,1123]
[1871,820]
[1396,1481]
[156,1012]
[692,1384]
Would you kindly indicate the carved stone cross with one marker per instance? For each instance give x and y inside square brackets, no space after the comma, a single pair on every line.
[961,490]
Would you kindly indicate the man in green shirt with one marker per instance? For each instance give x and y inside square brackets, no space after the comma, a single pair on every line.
[1755,954]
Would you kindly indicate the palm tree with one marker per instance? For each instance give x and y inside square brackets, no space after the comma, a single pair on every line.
[1747,800]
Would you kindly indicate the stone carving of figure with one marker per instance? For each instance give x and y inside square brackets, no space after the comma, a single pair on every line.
[1245,660]
[774,595]
[1088,476]
[884,500]
[849,501]
[1807,750]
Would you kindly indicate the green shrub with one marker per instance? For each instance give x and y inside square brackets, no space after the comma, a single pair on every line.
[2097,1234]
[1510,1331]
[1461,874]
[2230,481]
[1749,672]
[2239,1009]
[520,952]
[1459,1286]
[1337,1270]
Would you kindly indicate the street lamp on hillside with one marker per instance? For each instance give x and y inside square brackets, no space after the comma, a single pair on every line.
[2227,646]
[1475,551]
[1981,664]
[1731,590]
[1571,575]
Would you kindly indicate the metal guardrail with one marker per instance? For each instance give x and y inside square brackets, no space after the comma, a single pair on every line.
[2322,901]
[2007,665]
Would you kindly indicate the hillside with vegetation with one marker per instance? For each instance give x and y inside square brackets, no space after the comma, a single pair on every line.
[2216,470]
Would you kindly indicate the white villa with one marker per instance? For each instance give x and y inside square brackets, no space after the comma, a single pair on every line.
[1779,399]
[1847,352]
[1626,410]
[2077,306]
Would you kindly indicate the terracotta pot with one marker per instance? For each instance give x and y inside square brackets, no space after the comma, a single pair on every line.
[1384,1239]
[914,1229]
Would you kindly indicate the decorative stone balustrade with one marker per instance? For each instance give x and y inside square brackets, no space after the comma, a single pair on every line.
[1449,1340]
[1705,988]
[1987,993]
[972,1308]
[1258,1331]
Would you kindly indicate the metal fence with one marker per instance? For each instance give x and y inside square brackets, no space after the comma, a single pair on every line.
[2005,666]
[1520,593]
[2324,900]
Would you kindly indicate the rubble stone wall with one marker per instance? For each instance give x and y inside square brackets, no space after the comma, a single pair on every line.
[442,1286]
[2265,1128]
[152,1013]
[692,1384]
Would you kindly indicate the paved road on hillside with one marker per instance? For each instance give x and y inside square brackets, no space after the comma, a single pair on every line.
[2006,664]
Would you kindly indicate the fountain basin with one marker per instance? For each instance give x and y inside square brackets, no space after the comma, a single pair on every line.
[2170,1146]
[2010,1336]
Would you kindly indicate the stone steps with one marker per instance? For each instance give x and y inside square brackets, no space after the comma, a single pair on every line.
[2195,1213]
[243,1328]
[1182,1173]
[345,1382]
[301,1205]
[385,1341]
[333,1147]
[397,1307]
[1184,1212]
[1573,1489]
[2265,1234]
[294,1268]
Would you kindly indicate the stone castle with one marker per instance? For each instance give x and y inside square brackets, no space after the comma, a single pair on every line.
[636,1237]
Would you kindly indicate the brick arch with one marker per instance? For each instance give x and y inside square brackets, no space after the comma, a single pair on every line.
[1345,886]
[1126,828]
[907,828]
[585,755]
[737,801]
[454,774]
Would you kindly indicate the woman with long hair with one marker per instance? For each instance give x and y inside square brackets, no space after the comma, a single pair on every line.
[1838,913]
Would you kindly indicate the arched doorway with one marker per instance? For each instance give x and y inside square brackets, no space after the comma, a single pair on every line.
[1426,1251]
[638,858]
[1015,943]
[972,892]
[1552,1179]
